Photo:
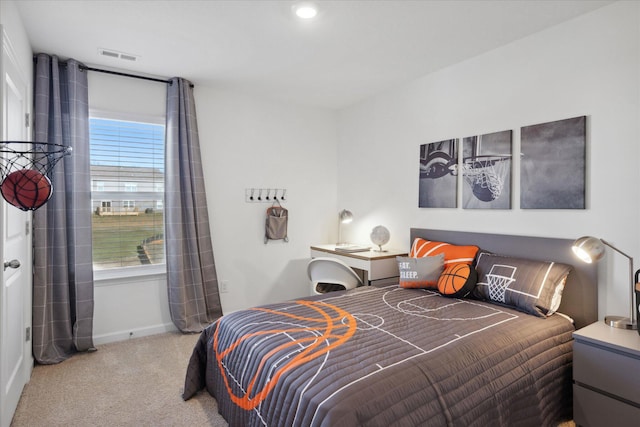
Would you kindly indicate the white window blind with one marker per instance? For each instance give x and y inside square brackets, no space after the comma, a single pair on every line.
[127,160]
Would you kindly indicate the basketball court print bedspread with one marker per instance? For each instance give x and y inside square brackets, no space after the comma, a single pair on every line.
[384,356]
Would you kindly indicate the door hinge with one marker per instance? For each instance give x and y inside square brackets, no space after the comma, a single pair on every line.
[28,334]
[27,228]
[27,120]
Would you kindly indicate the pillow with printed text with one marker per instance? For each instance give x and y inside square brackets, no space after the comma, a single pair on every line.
[420,273]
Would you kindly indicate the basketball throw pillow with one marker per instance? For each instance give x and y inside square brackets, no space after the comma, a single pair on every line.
[453,254]
[457,280]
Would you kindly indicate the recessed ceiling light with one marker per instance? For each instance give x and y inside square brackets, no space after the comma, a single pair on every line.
[305,10]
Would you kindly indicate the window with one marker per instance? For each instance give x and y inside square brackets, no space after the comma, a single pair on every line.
[97,186]
[105,206]
[127,168]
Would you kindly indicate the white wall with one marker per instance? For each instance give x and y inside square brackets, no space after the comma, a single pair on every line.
[588,66]
[12,25]
[248,142]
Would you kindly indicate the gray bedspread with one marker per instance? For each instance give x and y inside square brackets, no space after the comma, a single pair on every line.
[385,356]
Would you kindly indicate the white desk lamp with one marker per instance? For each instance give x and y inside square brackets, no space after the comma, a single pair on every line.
[344,217]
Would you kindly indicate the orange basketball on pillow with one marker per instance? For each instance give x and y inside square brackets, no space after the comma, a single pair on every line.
[457,280]
[26,189]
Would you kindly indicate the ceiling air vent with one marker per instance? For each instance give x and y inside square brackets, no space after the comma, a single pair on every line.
[118,55]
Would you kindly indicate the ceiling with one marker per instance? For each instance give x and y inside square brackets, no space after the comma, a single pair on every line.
[351,51]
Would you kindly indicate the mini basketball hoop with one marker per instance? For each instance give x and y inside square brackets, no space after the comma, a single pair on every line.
[25,168]
[486,175]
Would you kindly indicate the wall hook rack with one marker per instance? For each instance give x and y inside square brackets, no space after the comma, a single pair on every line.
[265,195]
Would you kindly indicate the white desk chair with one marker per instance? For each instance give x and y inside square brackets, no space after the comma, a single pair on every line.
[331,274]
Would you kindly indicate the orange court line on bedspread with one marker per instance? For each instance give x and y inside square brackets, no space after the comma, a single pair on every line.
[330,327]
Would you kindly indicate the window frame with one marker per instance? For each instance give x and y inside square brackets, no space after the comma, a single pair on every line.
[130,187]
[108,275]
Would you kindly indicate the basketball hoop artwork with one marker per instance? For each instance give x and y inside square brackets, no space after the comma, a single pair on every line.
[24,172]
[486,169]
[486,175]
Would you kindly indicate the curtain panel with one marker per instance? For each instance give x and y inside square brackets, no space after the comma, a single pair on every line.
[63,266]
[192,282]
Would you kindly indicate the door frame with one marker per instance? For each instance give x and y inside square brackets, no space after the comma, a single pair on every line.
[10,63]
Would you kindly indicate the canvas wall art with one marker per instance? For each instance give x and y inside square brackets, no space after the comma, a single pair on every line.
[552,173]
[438,181]
[486,171]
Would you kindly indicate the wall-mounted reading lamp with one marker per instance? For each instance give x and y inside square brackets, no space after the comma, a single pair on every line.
[344,217]
[591,249]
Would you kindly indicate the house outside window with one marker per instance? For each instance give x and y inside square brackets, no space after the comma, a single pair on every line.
[127,168]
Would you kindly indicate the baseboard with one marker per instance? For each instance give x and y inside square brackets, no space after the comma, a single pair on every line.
[133,333]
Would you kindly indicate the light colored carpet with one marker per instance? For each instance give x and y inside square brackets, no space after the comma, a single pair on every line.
[136,382]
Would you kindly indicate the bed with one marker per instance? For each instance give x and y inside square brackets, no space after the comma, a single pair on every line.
[395,356]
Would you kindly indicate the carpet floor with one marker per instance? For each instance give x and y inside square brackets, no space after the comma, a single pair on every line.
[135,382]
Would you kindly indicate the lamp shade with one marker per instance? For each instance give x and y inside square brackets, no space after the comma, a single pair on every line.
[345,216]
[589,249]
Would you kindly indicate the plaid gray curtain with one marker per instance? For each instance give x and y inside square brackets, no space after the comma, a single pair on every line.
[63,266]
[194,301]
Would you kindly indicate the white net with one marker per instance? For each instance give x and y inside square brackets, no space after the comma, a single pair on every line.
[39,156]
[486,175]
[498,286]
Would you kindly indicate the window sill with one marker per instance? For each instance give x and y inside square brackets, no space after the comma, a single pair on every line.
[115,275]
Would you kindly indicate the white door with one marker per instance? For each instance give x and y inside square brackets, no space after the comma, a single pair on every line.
[16,360]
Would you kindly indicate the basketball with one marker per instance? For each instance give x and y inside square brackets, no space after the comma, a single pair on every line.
[457,280]
[26,189]
[484,193]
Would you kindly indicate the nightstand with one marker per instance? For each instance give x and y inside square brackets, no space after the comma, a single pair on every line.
[606,376]
[375,267]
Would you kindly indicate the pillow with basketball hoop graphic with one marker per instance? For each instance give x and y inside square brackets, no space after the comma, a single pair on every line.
[420,273]
[534,287]
[457,280]
[453,254]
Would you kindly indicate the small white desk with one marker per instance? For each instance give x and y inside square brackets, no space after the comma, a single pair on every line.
[375,266]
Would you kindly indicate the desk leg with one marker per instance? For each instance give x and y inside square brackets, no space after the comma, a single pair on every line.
[365,278]
[363,274]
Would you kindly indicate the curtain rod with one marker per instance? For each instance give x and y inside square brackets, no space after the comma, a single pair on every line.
[117,73]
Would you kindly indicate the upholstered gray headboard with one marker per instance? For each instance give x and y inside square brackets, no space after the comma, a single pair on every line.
[580,296]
